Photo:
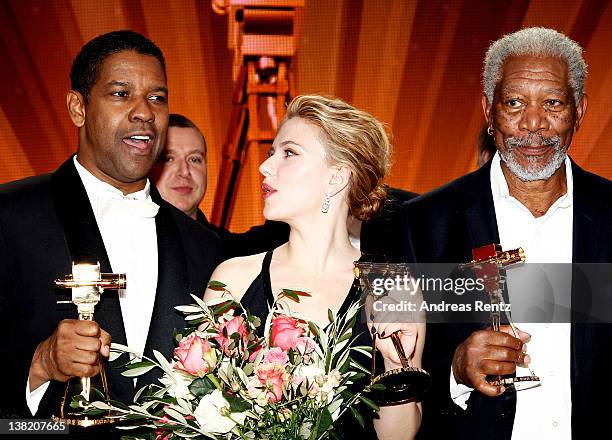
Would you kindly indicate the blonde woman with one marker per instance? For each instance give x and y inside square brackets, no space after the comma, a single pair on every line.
[327,163]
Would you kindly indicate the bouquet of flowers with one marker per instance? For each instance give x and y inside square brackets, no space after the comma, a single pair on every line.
[226,382]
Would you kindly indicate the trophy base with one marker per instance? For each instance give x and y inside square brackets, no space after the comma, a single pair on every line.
[518,383]
[85,421]
[402,385]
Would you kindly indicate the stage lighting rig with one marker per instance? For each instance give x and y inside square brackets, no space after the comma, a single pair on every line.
[264,36]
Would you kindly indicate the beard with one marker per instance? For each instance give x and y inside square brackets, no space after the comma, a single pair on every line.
[533,170]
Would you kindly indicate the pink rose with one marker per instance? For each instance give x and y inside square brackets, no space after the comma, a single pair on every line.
[194,355]
[165,420]
[296,380]
[276,355]
[159,431]
[234,325]
[285,332]
[272,376]
[304,345]
[255,352]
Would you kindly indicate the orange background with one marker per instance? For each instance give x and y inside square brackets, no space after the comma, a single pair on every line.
[414,64]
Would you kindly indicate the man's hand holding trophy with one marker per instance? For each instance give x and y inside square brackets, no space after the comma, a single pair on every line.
[72,353]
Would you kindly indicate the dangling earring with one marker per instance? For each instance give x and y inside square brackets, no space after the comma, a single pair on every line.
[490,131]
[326,203]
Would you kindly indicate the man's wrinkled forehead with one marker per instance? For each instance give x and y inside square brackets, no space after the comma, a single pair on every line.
[549,73]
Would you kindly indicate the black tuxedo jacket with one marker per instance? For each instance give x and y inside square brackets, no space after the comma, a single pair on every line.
[444,226]
[46,222]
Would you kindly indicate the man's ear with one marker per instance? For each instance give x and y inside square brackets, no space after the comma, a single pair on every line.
[486,108]
[581,111]
[76,107]
[341,176]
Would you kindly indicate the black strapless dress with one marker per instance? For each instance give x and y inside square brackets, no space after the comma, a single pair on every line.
[259,298]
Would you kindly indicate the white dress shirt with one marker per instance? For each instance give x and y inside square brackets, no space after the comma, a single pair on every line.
[127,227]
[542,412]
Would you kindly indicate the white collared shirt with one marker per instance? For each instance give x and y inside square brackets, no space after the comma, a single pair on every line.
[131,246]
[543,412]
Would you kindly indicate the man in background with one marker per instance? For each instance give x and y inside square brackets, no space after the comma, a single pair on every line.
[181,171]
[181,178]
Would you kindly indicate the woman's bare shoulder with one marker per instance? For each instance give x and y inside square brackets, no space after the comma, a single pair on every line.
[237,274]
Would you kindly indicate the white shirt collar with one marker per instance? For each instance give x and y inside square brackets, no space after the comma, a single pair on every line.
[499,186]
[99,189]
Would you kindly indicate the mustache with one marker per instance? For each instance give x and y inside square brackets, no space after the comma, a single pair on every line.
[533,140]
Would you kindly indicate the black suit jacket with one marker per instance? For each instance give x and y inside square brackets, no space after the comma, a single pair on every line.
[46,222]
[444,226]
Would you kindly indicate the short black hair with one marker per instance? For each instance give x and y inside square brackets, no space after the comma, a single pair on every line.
[180,121]
[87,64]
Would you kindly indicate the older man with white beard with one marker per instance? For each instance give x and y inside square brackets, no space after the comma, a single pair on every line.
[531,195]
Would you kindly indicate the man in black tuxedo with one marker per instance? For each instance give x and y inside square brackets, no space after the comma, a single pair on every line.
[98,206]
[532,195]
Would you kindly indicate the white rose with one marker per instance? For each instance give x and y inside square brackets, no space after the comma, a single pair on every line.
[309,371]
[178,385]
[211,414]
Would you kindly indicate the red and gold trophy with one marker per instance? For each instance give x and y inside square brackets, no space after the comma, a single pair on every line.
[489,264]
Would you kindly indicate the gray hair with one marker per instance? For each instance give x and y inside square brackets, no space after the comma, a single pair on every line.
[537,41]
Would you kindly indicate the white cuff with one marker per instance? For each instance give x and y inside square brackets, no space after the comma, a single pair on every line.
[459,393]
[33,398]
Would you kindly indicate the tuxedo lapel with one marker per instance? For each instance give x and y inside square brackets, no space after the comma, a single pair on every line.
[587,223]
[86,245]
[585,249]
[480,210]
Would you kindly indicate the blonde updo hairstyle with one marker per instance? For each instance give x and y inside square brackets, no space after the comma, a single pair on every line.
[355,139]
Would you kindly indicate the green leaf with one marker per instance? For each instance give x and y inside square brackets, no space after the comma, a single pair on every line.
[297,292]
[194,317]
[118,404]
[138,371]
[314,328]
[188,309]
[369,403]
[332,407]
[101,405]
[289,294]
[201,387]
[163,363]
[357,417]
[330,315]
[175,415]
[248,369]
[224,307]
[360,367]
[236,404]
[324,422]
[98,393]
[140,364]
[216,285]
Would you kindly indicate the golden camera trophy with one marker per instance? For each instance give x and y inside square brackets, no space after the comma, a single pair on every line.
[87,284]
[401,385]
[489,264]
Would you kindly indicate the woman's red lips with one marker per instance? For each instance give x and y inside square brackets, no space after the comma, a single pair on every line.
[267,190]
